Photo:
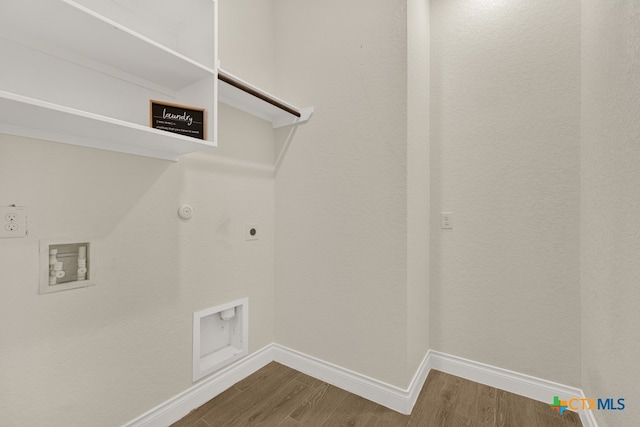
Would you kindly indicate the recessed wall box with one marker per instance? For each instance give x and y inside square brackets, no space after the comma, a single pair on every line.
[220,336]
[66,264]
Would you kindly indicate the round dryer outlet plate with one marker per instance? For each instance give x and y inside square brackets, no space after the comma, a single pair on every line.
[185,212]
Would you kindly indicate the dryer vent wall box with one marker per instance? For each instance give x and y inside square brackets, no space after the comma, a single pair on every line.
[220,337]
[66,264]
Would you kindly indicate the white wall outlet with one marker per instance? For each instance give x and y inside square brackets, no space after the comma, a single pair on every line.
[252,232]
[446,220]
[13,221]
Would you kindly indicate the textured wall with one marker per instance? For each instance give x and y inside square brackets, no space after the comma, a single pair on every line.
[610,205]
[341,197]
[353,193]
[418,182]
[247,38]
[104,355]
[505,128]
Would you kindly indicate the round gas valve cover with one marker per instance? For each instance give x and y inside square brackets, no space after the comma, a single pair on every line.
[185,212]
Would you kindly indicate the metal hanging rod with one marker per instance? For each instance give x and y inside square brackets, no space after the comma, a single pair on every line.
[237,83]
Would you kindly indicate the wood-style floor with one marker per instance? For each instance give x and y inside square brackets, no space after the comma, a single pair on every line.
[279,396]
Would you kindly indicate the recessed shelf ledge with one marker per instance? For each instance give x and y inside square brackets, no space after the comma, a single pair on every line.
[33,118]
[238,93]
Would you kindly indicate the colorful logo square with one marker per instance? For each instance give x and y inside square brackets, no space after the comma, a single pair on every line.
[558,405]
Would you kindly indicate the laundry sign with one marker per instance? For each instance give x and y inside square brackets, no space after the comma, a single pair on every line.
[181,119]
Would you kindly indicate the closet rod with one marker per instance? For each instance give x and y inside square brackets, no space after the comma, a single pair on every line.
[243,87]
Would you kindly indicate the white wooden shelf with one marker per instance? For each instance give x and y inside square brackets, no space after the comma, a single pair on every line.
[33,118]
[86,36]
[82,72]
[238,93]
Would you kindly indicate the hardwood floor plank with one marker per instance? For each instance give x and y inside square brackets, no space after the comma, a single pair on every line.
[260,375]
[439,402]
[189,420]
[319,405]
[373,421]
[389,418]
[289,422]
[274,408]
[308,380]
[196,414]
[459,420]
[260,387]
[568,418]
[518,410]
[423,410]
[501,415]
[465,402]
[485,402]
[279,396]
[544,416]
[511,412]
[352,411]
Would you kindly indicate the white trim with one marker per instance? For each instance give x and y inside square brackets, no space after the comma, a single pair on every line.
[504,379]
[393,397]
[514,382]
[417,382]
[587,417]
[177,407]
[388,395]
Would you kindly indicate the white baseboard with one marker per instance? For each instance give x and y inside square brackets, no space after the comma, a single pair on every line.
[587,417]
[177,407]
[504,379]
[390,396]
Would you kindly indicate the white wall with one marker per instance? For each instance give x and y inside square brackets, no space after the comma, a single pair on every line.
[70,358]
[499,127]
[247,34]
[505,104]
[610,205]
[341,191]
[418,182]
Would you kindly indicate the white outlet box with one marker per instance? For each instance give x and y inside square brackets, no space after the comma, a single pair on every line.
[13,221]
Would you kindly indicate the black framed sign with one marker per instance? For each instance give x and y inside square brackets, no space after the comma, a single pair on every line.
[181,119]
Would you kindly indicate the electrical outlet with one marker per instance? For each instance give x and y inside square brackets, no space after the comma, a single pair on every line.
[251,232]
[13,221]
[446,220]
